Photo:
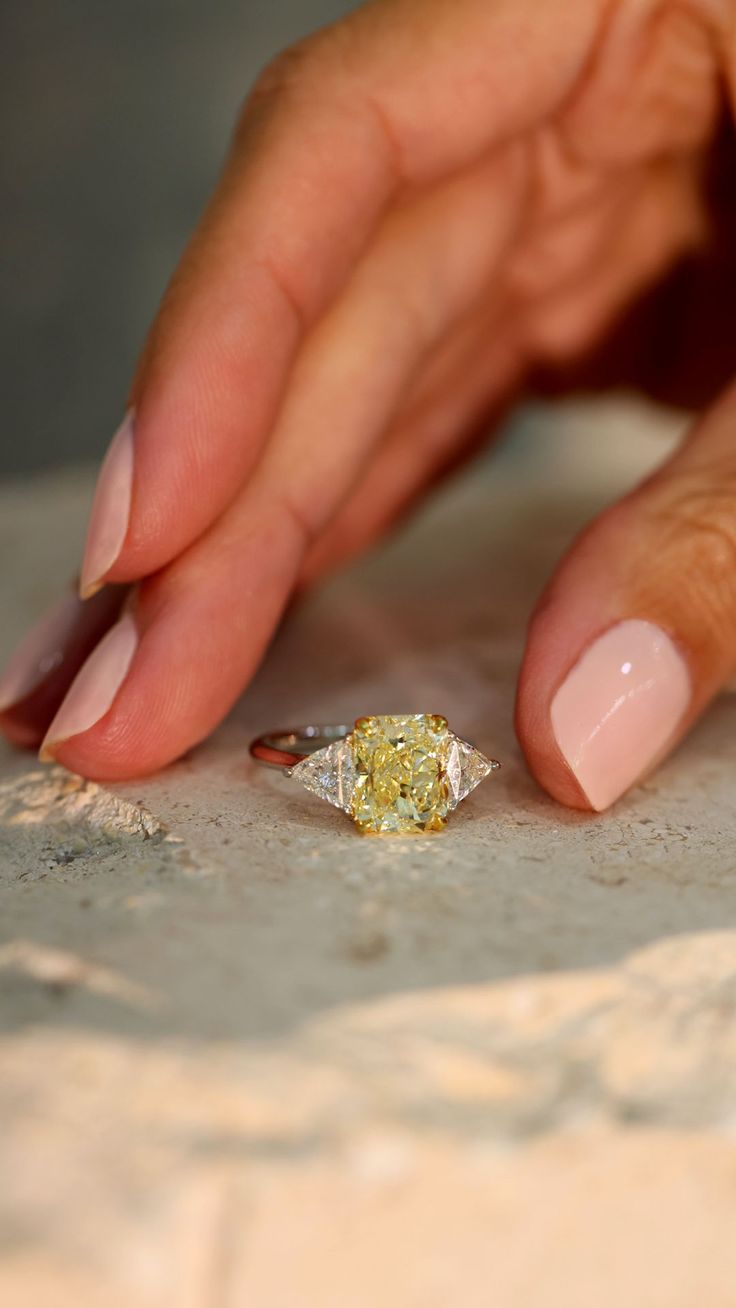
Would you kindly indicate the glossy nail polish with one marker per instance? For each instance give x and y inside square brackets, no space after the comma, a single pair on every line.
[40,653]
[618,707]
[41,670]
[110,515]
[92,692]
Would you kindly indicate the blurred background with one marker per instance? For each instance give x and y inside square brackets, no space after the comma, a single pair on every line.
[115,120]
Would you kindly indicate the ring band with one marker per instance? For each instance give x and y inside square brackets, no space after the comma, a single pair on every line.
[392,774]
[284,749]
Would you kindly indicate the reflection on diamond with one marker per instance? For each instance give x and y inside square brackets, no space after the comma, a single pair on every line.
[466,768]
[330,774]
[401,779]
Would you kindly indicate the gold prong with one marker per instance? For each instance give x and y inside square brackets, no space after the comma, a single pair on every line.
[437,721]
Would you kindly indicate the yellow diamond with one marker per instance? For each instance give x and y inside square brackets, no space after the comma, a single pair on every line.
[401,779]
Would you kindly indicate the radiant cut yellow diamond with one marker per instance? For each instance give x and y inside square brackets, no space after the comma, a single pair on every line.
[394,775]
[401,773]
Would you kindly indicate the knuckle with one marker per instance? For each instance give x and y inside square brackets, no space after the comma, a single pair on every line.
[559,333]
[286,71]
[304,69]
[699,520]
[282,84]
[294,81]
[695,536]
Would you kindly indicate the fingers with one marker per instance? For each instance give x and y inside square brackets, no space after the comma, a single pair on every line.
[566,316]
[149,692]
[541,309]
[116,721]
[637,629]
[393,97]
[178,657]
[433,264]
[437,432]
[44,666]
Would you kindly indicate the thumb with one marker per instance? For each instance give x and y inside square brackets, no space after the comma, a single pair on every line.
[636,631]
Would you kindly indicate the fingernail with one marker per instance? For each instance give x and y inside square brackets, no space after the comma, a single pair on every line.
[95,687]
[40,653]
[44,665]
[108,522]
[618,707]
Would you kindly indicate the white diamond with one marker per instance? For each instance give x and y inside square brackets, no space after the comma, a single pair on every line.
[466,768]
[329,773]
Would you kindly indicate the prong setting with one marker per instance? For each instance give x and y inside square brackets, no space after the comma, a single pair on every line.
[395,774]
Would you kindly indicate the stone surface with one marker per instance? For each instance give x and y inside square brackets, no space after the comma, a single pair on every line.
[249,1058]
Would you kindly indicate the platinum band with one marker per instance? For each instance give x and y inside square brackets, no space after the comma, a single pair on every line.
[284,749]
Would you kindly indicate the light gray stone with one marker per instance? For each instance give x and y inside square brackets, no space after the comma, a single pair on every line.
[247,1057]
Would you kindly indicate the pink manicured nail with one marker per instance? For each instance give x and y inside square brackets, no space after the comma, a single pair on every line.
[95,687]
[40,653]
[108,522]
[618,707]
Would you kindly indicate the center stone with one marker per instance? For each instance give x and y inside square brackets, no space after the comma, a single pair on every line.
[401,780]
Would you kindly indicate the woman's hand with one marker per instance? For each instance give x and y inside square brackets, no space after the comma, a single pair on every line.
[421,204]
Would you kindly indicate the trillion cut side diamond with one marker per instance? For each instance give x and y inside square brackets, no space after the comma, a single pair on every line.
[466,768]
[330,774]
[396,774]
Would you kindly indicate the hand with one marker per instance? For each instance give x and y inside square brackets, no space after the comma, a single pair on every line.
[421,205]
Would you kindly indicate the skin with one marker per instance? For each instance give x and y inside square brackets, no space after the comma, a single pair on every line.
[425,208]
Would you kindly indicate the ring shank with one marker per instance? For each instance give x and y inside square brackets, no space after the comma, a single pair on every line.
[284,749]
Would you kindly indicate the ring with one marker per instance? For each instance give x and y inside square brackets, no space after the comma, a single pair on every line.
[392,775]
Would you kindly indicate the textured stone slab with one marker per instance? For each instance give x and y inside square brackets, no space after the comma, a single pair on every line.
[248,1057]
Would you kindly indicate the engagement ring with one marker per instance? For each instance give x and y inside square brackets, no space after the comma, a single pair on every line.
[392,775]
